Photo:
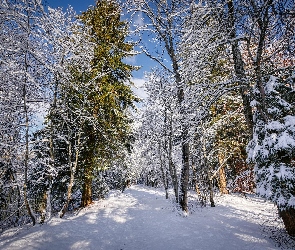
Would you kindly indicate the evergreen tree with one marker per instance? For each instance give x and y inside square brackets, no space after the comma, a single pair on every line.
[111,96]
[272,148]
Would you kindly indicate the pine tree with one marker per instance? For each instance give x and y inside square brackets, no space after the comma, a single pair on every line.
[272,148]
[111,96]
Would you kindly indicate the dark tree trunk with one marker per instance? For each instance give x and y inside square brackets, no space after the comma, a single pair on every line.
[184,177]
[211,193]
[288,217]
[87,192]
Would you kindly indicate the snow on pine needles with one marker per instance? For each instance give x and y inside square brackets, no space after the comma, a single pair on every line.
[141,218]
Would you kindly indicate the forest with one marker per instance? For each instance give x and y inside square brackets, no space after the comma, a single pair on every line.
[219,116]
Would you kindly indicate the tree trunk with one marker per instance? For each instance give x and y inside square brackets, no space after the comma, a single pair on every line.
[171,165]
[222,176]
[183,201]
[211,192]
[43,208]
[87,191]
[87,185]
[288,217]
[184,179]
[222,181]
[73,167]
[164,176]
[28,207]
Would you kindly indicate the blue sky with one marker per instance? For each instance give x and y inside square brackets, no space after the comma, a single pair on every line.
[78,5]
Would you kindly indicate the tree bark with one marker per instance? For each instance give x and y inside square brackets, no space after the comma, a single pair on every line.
[222,181]
[87,191]
[164,177]
[222,176]
[183,201]
[288,217]
[87,185]
[25,106]
[73,167]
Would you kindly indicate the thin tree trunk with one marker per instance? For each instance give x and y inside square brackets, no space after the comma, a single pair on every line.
[164,177]
[183,201]
[211,192]
[28,207]
[73,167]
[26,157]
[222,176]
[18,204]
[184,179]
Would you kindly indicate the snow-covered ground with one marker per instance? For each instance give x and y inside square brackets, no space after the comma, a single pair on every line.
[141,218]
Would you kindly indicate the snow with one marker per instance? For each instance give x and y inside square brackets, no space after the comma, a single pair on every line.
[141,218]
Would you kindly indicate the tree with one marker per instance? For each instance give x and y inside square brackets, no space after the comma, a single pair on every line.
[110,96]
[21,19]
[157,130]
[272,149]
[211,92]
[71,57]
[164,21]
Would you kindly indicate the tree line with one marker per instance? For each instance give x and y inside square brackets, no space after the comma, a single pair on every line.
[71,67]
[220,111]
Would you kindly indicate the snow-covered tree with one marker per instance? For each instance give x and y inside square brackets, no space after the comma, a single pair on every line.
[158,131]
[161,23]
[26,73]
[272,148]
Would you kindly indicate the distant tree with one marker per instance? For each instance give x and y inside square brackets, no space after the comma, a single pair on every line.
[162,22]
[157,131]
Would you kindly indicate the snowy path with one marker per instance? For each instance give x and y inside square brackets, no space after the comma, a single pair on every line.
[142,219]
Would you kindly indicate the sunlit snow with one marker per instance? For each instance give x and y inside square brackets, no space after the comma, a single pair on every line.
[141,218]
